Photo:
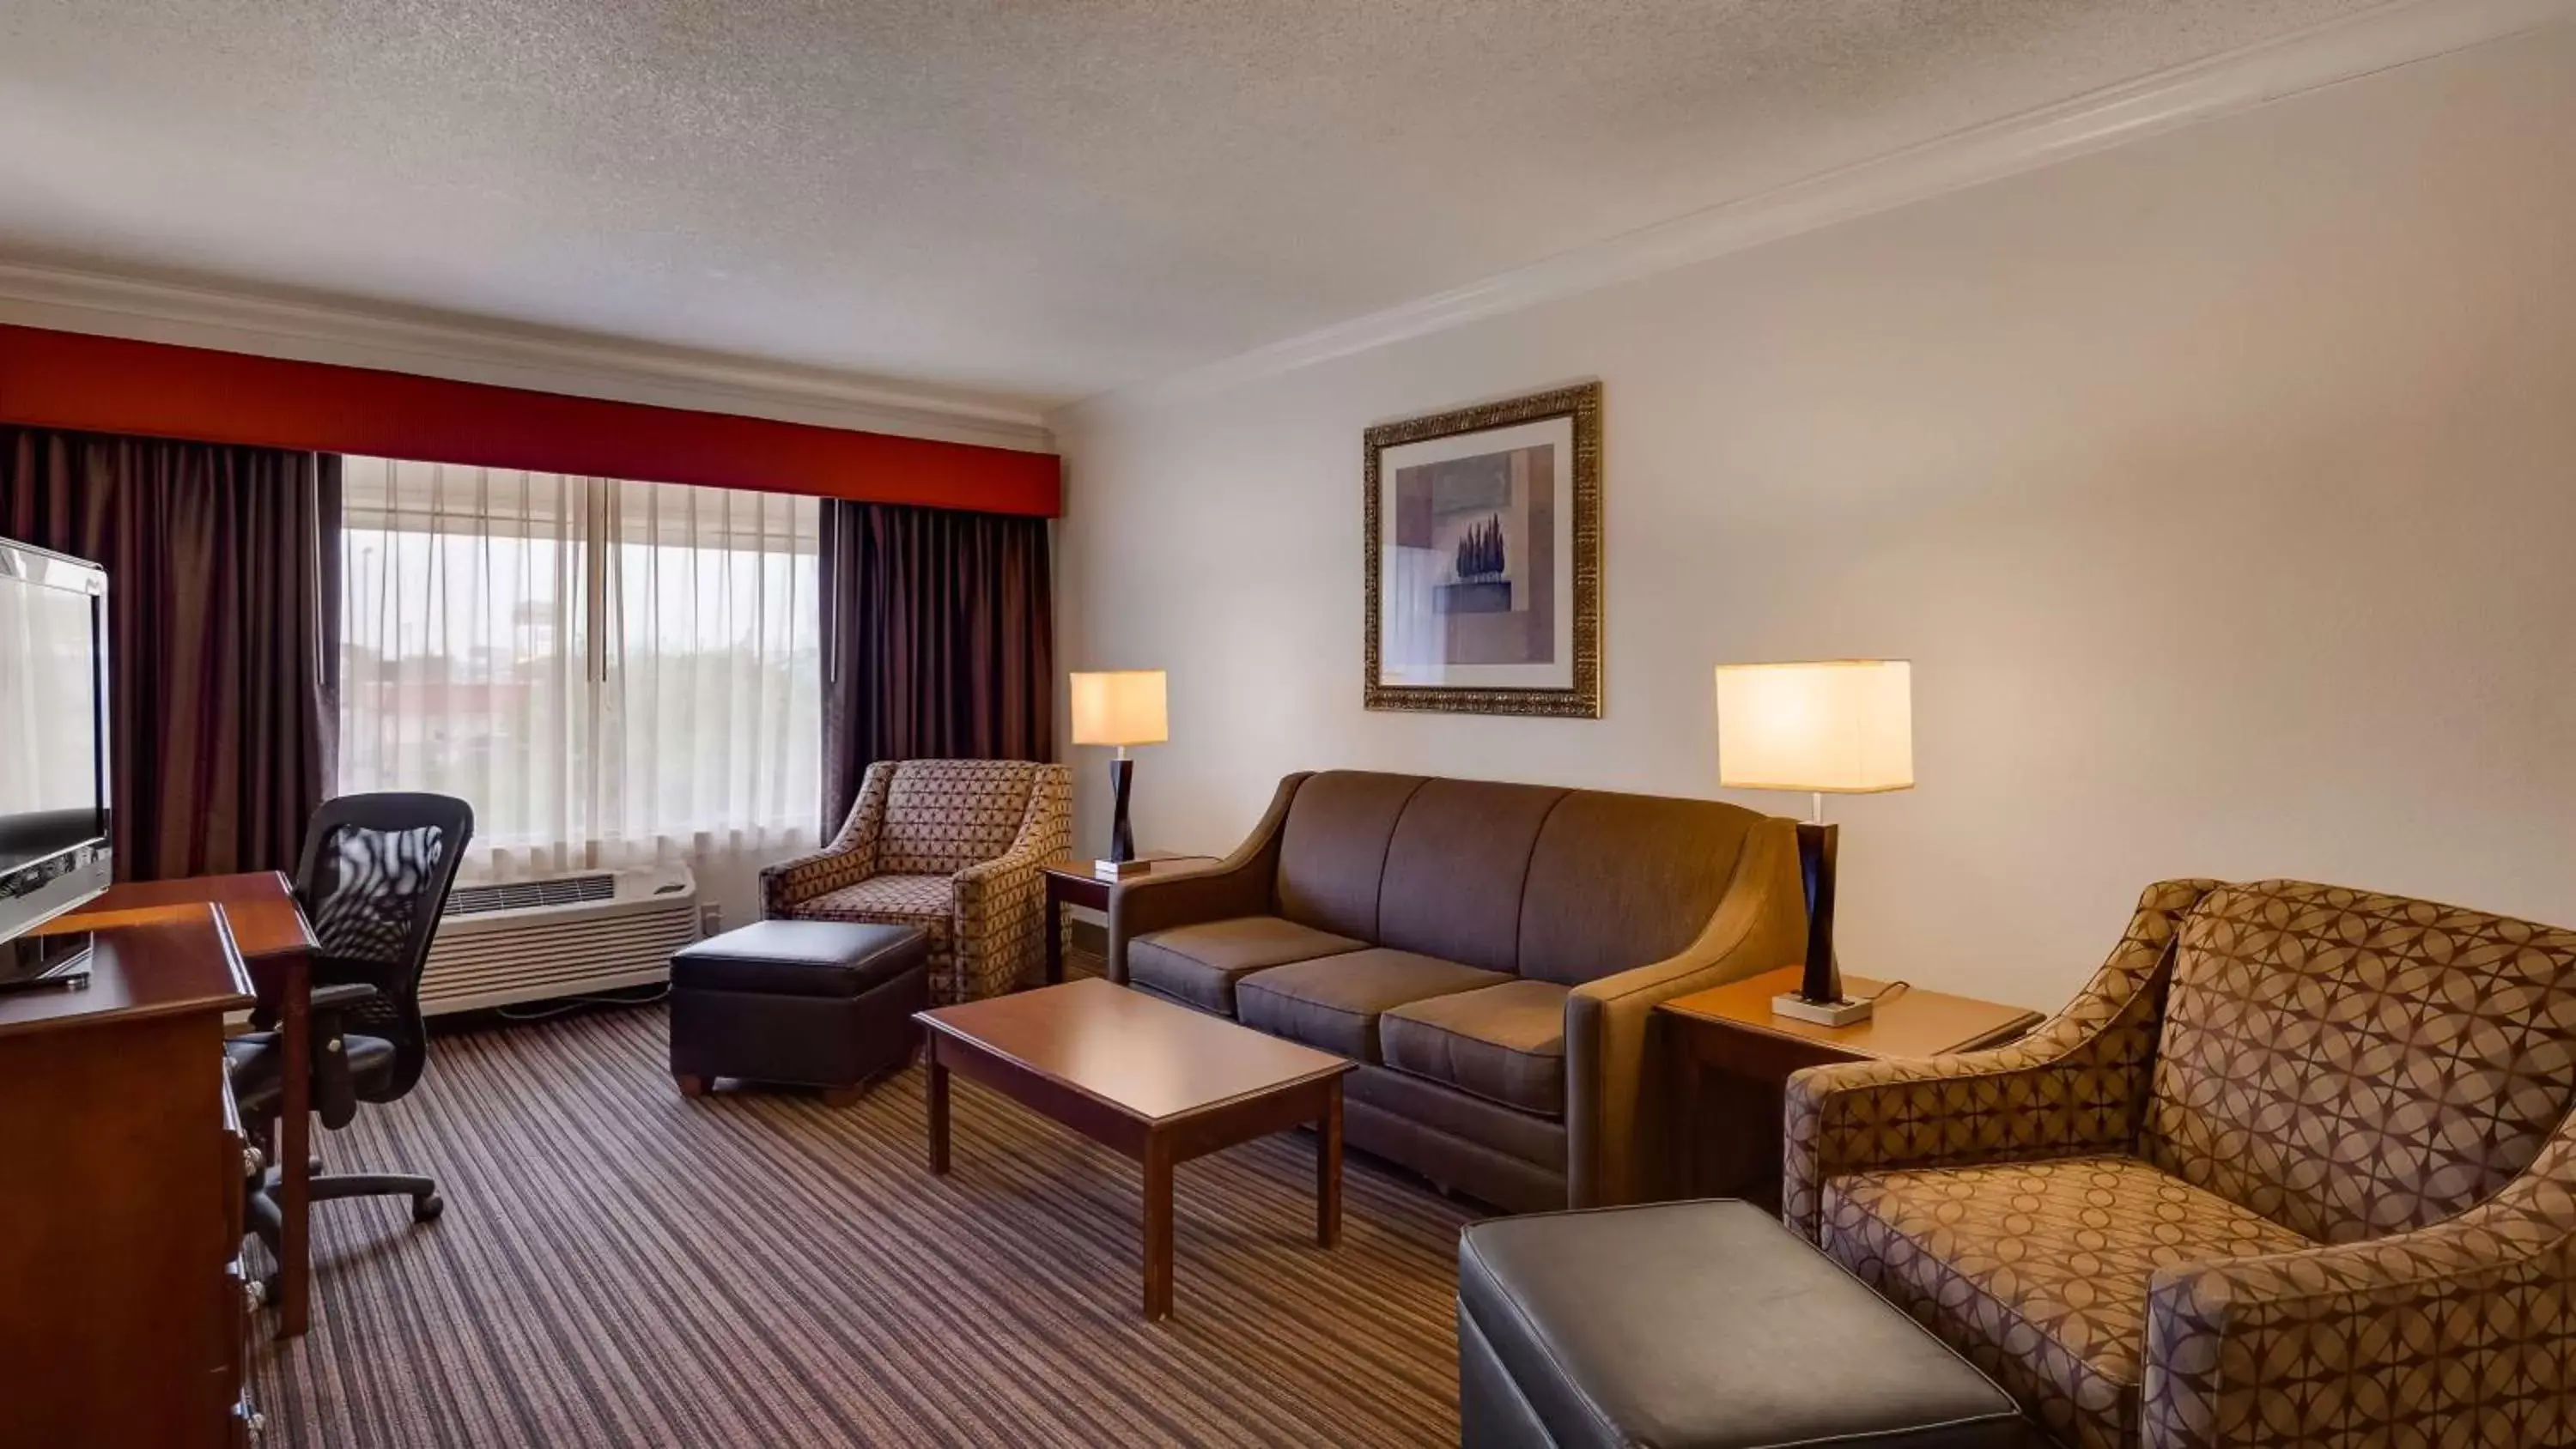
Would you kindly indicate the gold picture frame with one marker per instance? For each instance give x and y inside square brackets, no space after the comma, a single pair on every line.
[1481,557]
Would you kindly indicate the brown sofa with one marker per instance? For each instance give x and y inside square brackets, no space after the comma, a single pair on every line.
[1491,954]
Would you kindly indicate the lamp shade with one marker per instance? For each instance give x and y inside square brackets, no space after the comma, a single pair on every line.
[1843,726]
[1119,707]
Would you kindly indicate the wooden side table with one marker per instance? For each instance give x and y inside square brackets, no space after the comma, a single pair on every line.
[1734,1059]
[1072,883]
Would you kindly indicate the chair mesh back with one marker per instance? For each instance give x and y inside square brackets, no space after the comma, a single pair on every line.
[374,881]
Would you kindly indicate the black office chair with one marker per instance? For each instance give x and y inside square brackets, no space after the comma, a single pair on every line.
[373,882]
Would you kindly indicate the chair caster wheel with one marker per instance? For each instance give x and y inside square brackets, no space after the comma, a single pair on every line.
[427,1209]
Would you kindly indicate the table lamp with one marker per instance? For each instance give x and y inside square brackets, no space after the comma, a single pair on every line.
[1119,707]
[1837,727]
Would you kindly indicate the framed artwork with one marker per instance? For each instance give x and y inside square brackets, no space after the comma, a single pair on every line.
[1484,558]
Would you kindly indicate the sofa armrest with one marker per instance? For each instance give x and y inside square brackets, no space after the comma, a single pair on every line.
[2455,1333]
[1239,885]
[2074,1083]
[1616,1115]
[1000,904]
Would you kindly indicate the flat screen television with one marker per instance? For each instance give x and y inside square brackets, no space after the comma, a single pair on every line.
[53,758]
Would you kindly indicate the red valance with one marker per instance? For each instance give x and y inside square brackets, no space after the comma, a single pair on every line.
[115,385]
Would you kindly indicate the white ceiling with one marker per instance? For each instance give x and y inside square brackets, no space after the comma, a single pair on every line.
[1039,201]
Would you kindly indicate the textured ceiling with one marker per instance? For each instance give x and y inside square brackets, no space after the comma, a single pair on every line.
[1040,200]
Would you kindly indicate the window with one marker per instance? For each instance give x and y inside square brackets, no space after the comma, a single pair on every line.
[612,673]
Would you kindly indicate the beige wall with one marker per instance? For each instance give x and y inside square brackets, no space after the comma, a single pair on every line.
[2222,489]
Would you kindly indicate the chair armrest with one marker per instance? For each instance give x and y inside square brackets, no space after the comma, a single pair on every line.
[2075,1083]
[850,858]
[333,999]
[1239,885]
[1046,833]
[1616,1116]
[2455,1333]
[335,1088]
[999,904]
[792,882]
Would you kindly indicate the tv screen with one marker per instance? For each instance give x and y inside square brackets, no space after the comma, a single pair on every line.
[53,737]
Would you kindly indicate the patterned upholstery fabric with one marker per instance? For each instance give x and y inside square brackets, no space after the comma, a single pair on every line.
[923,847]
[849,859]
[2384,1083]
[942,816]
[912,898]
[2076,1083]
[2038,1271]
[2356,1065]
[2460,1333]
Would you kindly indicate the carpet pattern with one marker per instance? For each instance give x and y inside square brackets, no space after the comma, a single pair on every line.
[620,1267]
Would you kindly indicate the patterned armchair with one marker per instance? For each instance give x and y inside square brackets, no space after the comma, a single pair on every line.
[2295,1169]
[951,846]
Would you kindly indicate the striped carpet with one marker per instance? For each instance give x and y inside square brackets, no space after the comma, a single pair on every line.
[621,1268]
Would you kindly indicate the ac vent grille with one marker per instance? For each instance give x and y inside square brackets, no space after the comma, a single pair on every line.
[569,890]
[567,936]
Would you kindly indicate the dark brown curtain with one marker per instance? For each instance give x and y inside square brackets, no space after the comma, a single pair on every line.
[938,641]
[223,633]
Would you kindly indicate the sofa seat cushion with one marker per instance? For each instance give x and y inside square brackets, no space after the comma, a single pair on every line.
[1504,1043]
[1199,964]
[1333,1002]
[2038,1271]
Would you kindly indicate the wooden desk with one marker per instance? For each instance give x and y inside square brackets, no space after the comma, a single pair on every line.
[1074,883]
[126,1313]
[276,944]
[1735,1058]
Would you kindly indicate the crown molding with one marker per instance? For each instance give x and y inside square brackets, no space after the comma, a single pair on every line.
[2361,44]
[189,315]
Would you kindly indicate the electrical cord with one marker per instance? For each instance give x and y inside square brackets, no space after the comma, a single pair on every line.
[1888,990]
[564,1006]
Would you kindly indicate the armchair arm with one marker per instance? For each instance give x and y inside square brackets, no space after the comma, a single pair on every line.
[1001,903]
[1239,885]
[2074,1084]
[2456,1333]
[849,859]
[1615,1113]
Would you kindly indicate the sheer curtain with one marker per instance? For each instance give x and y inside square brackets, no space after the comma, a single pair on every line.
[613,673]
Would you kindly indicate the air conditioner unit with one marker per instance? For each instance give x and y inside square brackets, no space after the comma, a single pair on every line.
[566,935]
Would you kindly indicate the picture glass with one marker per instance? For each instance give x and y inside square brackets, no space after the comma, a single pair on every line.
[1476,559]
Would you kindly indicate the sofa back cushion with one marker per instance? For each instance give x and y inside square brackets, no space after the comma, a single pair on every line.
[1455,866]
[942,816]
[2353,1065]
[1332,849]
[1619,881]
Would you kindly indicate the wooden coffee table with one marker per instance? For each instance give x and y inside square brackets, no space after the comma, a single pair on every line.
[1158,1082]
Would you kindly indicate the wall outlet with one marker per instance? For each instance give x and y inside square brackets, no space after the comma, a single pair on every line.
[710,919]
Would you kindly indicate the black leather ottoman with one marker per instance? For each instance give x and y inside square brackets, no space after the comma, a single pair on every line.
[818,1003]
[1698,1325]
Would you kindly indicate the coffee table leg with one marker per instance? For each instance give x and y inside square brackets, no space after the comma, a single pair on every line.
[1328,1168]
[1158,1227]
[938,1108]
